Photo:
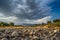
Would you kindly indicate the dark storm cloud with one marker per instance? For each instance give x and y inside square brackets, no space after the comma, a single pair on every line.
[5,6]
[26,9]
[31,9]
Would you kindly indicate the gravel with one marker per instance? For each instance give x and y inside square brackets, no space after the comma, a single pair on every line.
[29,34]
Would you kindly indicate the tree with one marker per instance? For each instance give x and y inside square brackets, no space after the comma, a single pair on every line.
[43,24]
[56,20]
[49,22]
[11,24]
[1,23]
[4,24]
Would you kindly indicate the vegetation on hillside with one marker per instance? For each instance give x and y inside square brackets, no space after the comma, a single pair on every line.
[6,24]
[53,23]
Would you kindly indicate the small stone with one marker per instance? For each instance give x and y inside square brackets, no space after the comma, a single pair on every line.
[4,39]
[15,33]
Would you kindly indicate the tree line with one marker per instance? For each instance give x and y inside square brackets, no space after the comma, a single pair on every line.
[55,22]
[6,24]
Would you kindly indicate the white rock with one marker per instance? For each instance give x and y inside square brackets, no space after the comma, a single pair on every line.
[55,31]
[15,33]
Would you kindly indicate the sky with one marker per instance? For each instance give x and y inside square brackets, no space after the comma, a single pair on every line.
[29,11]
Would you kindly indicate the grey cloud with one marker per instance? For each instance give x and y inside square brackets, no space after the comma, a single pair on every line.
[37,11]
[26,9]
[5,6]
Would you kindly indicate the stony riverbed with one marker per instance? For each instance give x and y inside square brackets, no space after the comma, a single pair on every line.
[29,34]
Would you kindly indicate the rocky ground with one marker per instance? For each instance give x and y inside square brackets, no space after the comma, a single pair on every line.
[29,34]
